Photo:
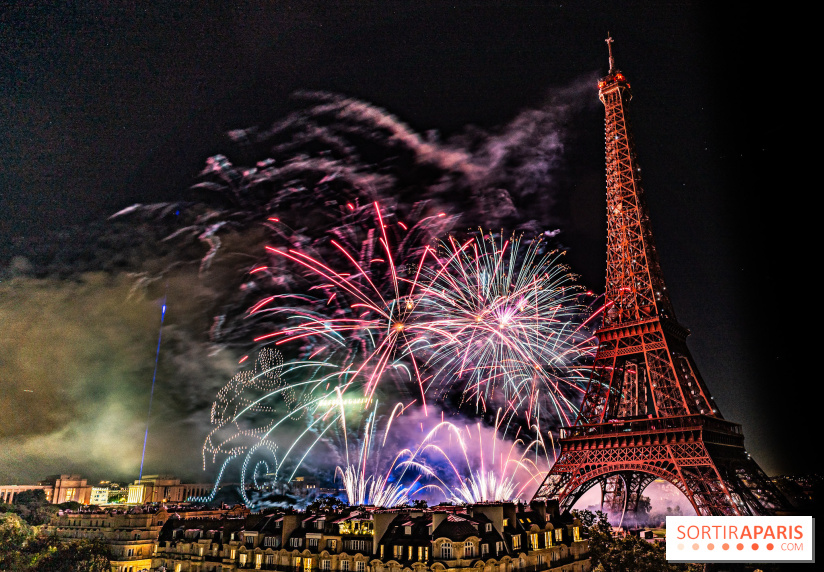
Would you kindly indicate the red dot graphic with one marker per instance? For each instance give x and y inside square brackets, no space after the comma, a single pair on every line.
[770,546]
[695,546]
[755,546]
[739,546]
[725,546]
[710,546]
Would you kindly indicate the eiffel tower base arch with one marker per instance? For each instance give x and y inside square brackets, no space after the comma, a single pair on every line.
[702,456]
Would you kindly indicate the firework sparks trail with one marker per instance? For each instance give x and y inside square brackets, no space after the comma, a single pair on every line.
[506,474]
[498,316]
[486,314]
[365,316]
[367,485]
[482,315]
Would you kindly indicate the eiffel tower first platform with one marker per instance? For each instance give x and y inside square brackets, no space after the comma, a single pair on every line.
[647,413]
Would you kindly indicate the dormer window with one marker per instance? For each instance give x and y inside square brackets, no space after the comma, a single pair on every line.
[407,530]
[446,550]
[489,527]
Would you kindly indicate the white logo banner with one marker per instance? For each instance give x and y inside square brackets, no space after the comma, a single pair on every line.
[740,539]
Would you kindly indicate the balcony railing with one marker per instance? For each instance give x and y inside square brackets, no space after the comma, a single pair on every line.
[655,425]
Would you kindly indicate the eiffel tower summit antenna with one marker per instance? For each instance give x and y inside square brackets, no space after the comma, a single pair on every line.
[609,41]
[647,413]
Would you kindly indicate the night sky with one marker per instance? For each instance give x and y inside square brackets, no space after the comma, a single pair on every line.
[106,105]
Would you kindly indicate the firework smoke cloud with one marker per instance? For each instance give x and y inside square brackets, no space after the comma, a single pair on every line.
[281,233]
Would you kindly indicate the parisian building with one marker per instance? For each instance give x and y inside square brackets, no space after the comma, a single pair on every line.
[149,489]
[494,537]
[131,534]
[164,489]
[58,489]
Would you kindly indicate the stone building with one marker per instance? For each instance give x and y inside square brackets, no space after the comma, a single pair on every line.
[58,489]
[495,537]
[131,536]
[132,533]
[164,489]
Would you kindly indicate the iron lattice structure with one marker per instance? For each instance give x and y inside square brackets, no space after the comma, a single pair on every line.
[647,413]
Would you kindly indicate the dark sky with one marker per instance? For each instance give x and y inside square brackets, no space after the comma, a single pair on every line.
[104,105]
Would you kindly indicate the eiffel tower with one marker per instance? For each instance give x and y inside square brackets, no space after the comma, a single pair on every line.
[647,413]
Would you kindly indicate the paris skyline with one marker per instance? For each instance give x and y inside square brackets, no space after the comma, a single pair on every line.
[136,124]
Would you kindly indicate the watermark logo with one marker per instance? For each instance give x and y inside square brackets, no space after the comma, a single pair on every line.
[740,539]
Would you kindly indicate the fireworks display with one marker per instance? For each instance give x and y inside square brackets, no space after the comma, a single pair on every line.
[339,250]
[500,316]
[381,313]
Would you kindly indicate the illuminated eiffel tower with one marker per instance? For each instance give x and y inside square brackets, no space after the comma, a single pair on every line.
[647,413]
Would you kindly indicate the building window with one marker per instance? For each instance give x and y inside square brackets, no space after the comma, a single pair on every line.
[576,533]
[498,547]
[446,550]
[296,562]
[332,544]
[397,552]
[559,534]
[484,549]
[295,542]
[540,559]
[360,566]
[489,527]
[533,541]
[325,564]
[271,541]
[356,545]
[307,564]
[311,542]
[270,559]
[344,565]
[547,539]
[516,541]
[469,550]
[422,556]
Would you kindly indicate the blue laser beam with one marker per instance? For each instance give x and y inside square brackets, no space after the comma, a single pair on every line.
[154,377]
